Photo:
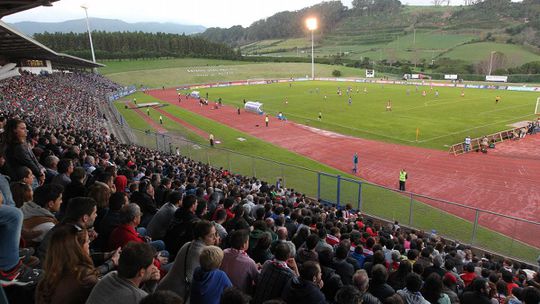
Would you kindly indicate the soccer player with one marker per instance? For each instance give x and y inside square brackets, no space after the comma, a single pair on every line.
[497,99]
[148,111]
[350,100]
[436,93]
[462,93]
[389,105]
[320,115]
[424,93]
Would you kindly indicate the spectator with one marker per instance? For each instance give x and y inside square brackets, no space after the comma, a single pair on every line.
[209,281]
[135,268]
[74,189]
[233,295]
[469,274]
[306,288]
[179,278]
[239,267]
[478,293]
[530,295]
[17,151]
[449,287]
[361,281]
[411,293]
[181,230]
[343,268]
[65,168]
[275,274]
[378,287]
[12,270]
[21,193]
[111,220]
[69,271]
[160,222]
[39,215]
[332,281]
[433,290]
[162,297]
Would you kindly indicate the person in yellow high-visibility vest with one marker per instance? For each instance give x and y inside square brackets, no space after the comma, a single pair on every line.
[402,179]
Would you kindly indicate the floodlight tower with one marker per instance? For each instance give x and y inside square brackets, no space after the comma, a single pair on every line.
[311,24]
[85,8]
[491,62]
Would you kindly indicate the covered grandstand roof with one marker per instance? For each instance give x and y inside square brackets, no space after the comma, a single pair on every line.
[16,45]
[8,7]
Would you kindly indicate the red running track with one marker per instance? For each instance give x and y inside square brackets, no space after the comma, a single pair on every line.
[506,180]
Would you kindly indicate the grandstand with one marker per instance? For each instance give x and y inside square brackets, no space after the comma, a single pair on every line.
[90,216]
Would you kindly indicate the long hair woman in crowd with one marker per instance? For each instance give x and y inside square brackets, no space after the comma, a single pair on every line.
[69,272]
[17,151]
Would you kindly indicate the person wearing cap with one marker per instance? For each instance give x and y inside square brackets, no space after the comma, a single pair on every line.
[450,287]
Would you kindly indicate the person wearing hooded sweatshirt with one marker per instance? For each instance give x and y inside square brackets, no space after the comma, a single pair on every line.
[209,281]
[307,287]
[39,214]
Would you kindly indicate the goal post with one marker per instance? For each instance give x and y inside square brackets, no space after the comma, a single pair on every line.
[537,107]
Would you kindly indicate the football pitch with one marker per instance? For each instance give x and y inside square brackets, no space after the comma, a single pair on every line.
[442,117]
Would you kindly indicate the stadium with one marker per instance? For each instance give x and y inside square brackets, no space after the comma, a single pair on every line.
[263,173]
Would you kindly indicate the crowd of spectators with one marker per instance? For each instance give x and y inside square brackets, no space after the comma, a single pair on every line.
[86,219]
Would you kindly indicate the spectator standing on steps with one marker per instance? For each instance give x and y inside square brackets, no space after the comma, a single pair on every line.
[402,179]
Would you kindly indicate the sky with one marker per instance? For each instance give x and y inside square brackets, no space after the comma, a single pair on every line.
[209,13]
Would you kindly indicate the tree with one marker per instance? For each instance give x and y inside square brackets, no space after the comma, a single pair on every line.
[336,73]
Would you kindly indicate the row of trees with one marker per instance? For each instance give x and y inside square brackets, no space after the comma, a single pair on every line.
[133,45]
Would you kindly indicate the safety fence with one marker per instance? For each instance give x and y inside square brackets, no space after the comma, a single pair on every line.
[462,223]
[476,143]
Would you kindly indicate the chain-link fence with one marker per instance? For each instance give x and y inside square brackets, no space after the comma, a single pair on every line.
[462,223]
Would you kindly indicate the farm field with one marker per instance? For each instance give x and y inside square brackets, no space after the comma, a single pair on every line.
[441,121]
[516,55]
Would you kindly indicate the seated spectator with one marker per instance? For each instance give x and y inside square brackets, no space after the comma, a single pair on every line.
[221,216]
[101,193]
[160,222]
[261,253]
[162,297]
[65,168]
[433,290]
[411,293]
[378,287]
[135,268]
[361,281]
[478,292]
[530,295]
[39,214]
[51,167]
[450,287]
[397,278]
[145,199]
[180,276]
[343,268]
[21,193]
[111,220]
[181,230]
[332,281]
[274,275]
[74,189]
[209,281]
[233,295]
[25,175]
[69,271]
[307,252]
[469,274]
[239,267]
[307,287]
[12,269]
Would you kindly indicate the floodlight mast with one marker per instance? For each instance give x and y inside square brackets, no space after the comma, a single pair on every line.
[311,24]
[85,8]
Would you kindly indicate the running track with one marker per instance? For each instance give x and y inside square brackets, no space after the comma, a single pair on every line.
[506,180]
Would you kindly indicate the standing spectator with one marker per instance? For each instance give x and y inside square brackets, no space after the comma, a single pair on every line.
[307,288]
[135,268]
[18,152]
[239,267]
[467,144]
[209,281]
[69,272]
[274,275]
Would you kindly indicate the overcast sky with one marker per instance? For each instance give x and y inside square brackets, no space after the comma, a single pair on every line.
[209,13]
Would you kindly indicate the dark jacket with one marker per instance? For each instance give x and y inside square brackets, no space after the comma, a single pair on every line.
[344,269]
[381,291]
[272,280]
[19,155]
[332,283]
[299,291]
[473,297]
[180,231]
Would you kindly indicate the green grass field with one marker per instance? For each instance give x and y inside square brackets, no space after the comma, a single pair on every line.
[303,177]
[170,73]
[442,121]
[515,54]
